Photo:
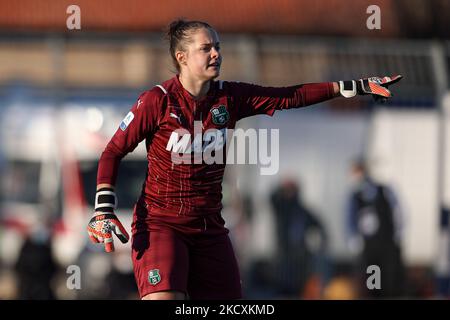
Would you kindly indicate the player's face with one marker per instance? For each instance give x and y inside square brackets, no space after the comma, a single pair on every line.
[203,58]
[356,175]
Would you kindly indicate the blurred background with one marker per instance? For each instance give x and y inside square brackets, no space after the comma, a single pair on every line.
[359,183]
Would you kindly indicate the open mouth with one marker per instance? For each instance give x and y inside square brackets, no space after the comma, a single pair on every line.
[215,65]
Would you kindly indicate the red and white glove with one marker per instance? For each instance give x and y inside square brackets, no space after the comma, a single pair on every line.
[376,86]
[104,222]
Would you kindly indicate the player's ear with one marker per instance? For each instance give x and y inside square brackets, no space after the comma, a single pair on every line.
[181,57]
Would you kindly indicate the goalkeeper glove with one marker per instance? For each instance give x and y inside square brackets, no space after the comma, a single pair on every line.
[104,222]
[377,87]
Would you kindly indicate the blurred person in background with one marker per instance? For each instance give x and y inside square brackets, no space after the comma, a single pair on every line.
[35,267]
[122,284]
[180,246]
[301,241]
[374,229]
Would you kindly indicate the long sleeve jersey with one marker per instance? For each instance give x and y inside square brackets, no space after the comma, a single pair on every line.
[168,117]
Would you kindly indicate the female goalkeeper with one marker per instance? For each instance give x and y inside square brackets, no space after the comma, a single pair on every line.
[180,247]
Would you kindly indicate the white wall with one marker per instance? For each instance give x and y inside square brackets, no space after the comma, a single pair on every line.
[317,148]
[404,153]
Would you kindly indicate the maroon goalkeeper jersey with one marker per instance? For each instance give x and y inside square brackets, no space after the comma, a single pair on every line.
[165,115]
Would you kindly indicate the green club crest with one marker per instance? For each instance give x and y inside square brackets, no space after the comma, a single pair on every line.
[154,277]
[220,115]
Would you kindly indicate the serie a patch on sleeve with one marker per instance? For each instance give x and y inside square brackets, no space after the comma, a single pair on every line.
[126,121]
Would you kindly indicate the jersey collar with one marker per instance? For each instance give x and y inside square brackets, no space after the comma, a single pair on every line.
[211,92]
